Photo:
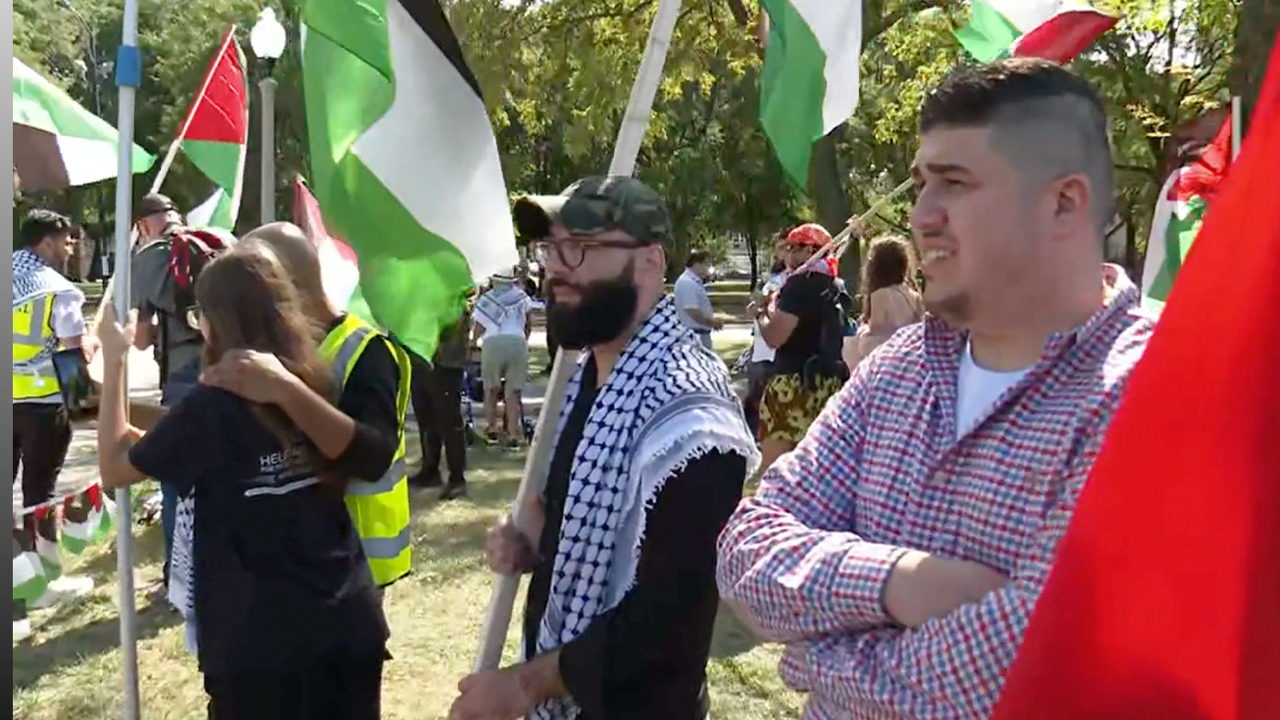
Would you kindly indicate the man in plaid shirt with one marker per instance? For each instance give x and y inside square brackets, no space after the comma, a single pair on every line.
[899,550]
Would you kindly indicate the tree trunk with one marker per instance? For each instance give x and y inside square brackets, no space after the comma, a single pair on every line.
[831,202]
[1256,31]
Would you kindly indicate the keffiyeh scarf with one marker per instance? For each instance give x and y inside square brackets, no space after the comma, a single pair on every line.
[498,304]
[667,403]
[33,278]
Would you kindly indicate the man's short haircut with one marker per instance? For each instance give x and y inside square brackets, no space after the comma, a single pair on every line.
[697,257]
[40,224]
[1046,120]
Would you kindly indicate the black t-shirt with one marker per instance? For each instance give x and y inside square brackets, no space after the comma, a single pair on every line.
[369,398]
[802,296]
[279,575]
[646,658]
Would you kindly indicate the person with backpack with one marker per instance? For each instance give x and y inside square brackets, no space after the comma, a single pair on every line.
[806,328]
[166,263]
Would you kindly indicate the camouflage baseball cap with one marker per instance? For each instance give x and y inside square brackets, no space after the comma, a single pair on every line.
[594,205]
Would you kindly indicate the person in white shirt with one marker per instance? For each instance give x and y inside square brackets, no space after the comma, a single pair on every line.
[760,363]
[502,326]
[693,305]
[48,320]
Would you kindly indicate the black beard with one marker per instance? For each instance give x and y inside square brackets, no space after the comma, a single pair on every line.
[603,312]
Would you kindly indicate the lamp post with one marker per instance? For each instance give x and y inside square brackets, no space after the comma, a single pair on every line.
[267,39]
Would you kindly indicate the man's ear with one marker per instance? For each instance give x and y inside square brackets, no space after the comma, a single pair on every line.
[1072,202]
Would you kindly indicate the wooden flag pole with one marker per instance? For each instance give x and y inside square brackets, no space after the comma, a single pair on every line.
[635,123]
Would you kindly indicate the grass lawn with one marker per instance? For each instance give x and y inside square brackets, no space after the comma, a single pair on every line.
[71,665]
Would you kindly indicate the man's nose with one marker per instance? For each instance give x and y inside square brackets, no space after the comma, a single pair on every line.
[928,217]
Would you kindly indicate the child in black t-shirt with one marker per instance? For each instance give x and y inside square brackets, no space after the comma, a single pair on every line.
[287,620]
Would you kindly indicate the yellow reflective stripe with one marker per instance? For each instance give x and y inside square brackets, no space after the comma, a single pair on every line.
[36,333]
[385,548]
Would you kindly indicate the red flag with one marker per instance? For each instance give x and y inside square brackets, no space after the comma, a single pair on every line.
[1164,603]
[338,262]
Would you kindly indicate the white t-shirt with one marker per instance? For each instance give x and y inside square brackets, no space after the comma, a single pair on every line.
[760,350]
[691,294]
[67,316]
[978,390]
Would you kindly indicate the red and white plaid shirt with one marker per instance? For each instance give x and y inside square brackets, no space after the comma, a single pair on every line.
[881,471]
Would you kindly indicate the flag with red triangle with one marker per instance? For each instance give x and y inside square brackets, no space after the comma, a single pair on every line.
[1183,201]
[1164,601]
[338,265]
[214,134]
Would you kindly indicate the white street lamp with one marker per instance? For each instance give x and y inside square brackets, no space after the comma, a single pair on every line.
[267,39]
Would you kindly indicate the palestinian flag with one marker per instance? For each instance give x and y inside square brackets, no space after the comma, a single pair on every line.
[1164,600]
[1056,30]
[86,519]
[809,84]
[56,142]
[403,160]
[214,134]
[1180,210]
[339,267]
[29,578]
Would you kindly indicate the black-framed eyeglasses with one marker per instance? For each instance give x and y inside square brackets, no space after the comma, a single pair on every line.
[571,252]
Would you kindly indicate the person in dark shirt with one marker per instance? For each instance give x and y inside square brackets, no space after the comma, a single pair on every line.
[164,327]
[437,403]
[287,618]
[793,325]
[650,461]
[361,434]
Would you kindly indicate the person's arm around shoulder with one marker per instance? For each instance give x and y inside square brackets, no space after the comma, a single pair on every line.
[359,445]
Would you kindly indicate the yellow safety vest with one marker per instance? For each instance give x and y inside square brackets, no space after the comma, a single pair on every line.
[379,510]
[32,337]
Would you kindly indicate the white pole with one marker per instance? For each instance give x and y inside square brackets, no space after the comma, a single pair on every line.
[268,88]
[640,106]
[1237,125]
[128,77]
[635,122]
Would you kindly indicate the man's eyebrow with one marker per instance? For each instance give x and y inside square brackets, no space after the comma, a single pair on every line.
[941,168]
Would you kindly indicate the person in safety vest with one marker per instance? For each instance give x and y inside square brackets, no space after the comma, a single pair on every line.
[364,435]
[48,319]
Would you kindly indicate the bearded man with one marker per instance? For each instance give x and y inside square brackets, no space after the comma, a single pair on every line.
[650,459]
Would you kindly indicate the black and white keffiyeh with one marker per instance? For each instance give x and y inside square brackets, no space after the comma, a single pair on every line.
[32,277]
[503,302]
[667,403]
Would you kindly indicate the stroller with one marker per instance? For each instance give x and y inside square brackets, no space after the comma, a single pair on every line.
[473,394]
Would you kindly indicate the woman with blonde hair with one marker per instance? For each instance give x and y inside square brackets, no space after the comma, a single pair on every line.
[890,300]
[270,574]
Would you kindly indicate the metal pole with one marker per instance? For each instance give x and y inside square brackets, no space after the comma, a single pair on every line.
[268,87]
[128,77]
